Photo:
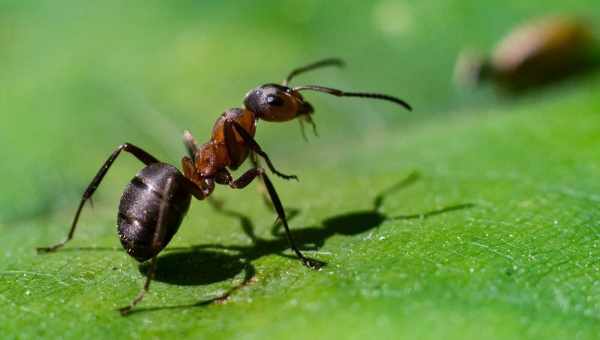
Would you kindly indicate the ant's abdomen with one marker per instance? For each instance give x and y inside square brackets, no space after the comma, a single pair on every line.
[141,205]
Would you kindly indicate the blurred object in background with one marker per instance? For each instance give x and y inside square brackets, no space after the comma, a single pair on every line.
[532,55]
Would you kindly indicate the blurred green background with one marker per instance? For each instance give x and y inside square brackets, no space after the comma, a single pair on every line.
[80,78]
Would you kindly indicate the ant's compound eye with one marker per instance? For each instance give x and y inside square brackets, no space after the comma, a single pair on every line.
[274,100]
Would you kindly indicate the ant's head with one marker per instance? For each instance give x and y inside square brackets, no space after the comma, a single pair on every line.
[277,103]
[280,103]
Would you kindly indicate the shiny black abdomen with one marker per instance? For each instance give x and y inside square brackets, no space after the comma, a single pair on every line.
[140,208]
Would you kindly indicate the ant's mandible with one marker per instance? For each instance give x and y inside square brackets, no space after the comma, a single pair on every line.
[158,197]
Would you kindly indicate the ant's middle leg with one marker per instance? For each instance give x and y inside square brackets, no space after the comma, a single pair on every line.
[140,154]
[262,189]
[246,179]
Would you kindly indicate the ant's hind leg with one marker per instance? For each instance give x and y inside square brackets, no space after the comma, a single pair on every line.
[197,186]
[140,154]
[149,276]
[159,234]
[190,144]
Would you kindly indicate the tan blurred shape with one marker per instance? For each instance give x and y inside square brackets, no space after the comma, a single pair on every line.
[536,53]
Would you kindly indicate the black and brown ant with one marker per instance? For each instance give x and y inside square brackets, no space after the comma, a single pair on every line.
[158,197]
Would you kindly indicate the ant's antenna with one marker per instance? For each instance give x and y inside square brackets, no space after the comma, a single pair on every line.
[340,93]
[321,63]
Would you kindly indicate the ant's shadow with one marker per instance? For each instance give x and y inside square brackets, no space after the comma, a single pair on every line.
[211,263]
[196,267]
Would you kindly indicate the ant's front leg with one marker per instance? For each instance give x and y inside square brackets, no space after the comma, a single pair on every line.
[231,126]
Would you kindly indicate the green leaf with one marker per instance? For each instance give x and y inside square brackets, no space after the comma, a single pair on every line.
[473,217]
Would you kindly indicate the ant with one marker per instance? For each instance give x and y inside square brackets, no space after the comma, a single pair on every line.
[156,200]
